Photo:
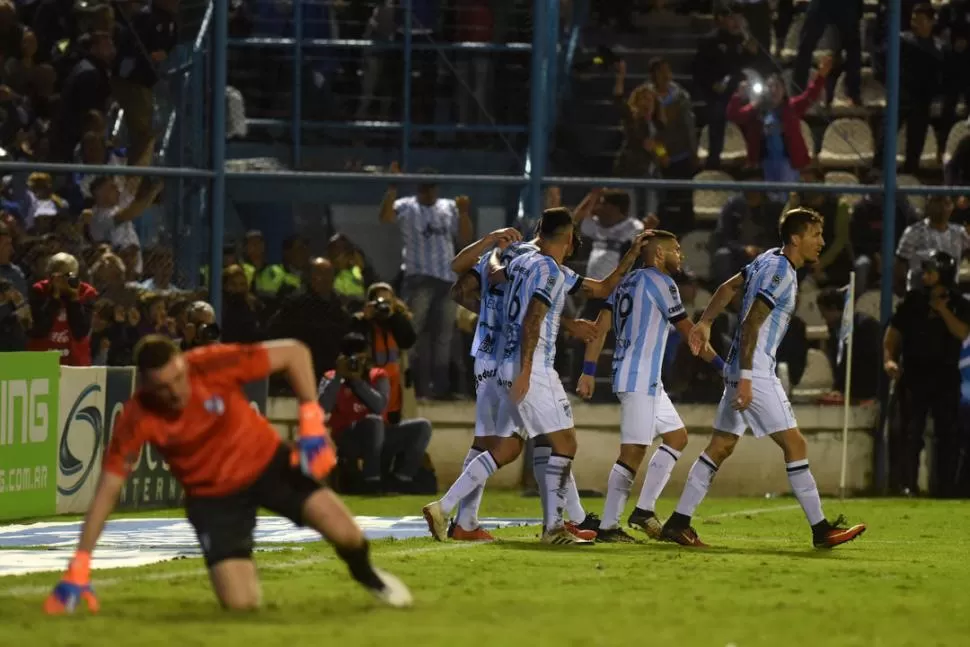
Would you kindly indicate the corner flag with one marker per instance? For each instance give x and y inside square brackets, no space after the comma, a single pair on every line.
[848,316]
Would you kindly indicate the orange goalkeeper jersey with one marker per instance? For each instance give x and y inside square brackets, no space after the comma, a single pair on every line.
[218,444]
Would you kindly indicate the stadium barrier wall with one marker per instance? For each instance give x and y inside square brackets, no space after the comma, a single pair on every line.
[755,469]
[55,424]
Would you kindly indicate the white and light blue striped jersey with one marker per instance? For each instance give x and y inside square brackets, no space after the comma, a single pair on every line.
[488,332]
[428,234]
[533,276]
[769,278]
[965,371]
[645,304]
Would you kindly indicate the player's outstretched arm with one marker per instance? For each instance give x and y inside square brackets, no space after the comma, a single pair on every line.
[587,381]
[466,292]
[707,353]
[314,452]
[700,335]
[594,289]
[76,583]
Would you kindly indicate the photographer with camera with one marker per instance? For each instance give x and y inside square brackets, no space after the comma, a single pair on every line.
[385,322]
[356,396]
[200,328]
[62,307]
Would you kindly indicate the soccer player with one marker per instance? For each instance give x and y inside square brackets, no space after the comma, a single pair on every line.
[230,461]
[641,311]
[753,395]
[531,308]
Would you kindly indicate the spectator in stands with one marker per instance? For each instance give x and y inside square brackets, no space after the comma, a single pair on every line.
[473,24]
[8,270]
[114,212]
[16,70]
[866,231]
[746,226]
[431,228]
[159,267]
[143,45]
[119,332]
[385,322]
[793,350]
[87,87]
[254,256]
[771,121]
[846,18]
[356,394]
[14,318]
[642,153]
[315,317]
[716,69]
[11,31]
[957,173]
[866,345]
[679,134]
[108,275]
[61,306]
[920,80]
[348,262]
[277,282]
[954,21]
[935,232]
[42,203]
[242,311]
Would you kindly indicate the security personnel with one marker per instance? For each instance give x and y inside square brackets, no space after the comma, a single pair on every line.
[927,330]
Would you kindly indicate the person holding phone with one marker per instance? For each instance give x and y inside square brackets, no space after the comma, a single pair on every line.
[63,306]
[13,310]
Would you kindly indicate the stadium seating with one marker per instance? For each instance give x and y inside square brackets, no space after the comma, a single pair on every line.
[707,204]
[847,144]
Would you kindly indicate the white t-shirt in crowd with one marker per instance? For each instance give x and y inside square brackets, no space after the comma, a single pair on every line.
[607,244]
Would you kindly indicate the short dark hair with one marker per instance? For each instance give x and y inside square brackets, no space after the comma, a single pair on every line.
[656,63]
[617,198]
[353,343]
[153,352]
[663,234]
[795,221]
[554,221]
[830,299]
[925,9]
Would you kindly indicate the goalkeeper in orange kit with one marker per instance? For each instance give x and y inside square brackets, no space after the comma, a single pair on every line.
[230,461]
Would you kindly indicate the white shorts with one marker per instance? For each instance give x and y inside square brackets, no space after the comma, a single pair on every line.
[643,417]
[545,408]
[487,397]
[769,411]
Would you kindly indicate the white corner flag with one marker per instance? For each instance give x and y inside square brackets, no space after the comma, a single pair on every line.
[845,350]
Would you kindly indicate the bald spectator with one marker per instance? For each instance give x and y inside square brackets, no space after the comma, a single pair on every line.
[241,313]
[315,317]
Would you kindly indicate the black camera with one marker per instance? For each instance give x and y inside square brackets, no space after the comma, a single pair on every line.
[207,334]
[353,364]
[73,281]
[382,307]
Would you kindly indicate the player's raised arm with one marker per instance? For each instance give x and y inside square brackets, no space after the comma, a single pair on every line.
[601,289]
[700,334]
[468,257]
[587,381]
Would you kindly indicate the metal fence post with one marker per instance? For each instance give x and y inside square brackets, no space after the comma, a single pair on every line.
[539,79]
[217,198]
[406,93]
[297,81]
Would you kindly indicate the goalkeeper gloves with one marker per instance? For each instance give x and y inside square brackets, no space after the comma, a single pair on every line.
[74,586]
[314,451]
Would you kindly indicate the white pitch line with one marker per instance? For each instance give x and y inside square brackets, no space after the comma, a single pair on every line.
[752,511]
[100,583]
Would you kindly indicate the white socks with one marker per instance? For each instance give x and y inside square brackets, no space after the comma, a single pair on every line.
[805,490]
[557,476]
[617,492]
[574,507]
[474,476]
[467,516]
[698,482]
[658,473]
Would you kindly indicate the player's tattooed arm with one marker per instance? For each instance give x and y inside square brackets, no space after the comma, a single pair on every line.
[466,292]
[468,257]
[722,297]
[757,314]
[531,326]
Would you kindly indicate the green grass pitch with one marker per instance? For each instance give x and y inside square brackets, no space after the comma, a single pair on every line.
[904,582]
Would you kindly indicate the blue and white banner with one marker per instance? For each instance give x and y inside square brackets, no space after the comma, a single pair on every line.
[81,436]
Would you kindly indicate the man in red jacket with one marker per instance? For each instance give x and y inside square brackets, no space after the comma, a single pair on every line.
[771,121]
[356,394]
[62,308]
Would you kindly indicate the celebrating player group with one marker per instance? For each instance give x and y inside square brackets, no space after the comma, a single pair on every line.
[519,289]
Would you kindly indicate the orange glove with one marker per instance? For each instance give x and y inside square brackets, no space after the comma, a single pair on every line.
[314,452]
[74,586]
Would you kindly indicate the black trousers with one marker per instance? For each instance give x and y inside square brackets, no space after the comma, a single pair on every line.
[821,14]
[923,393]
